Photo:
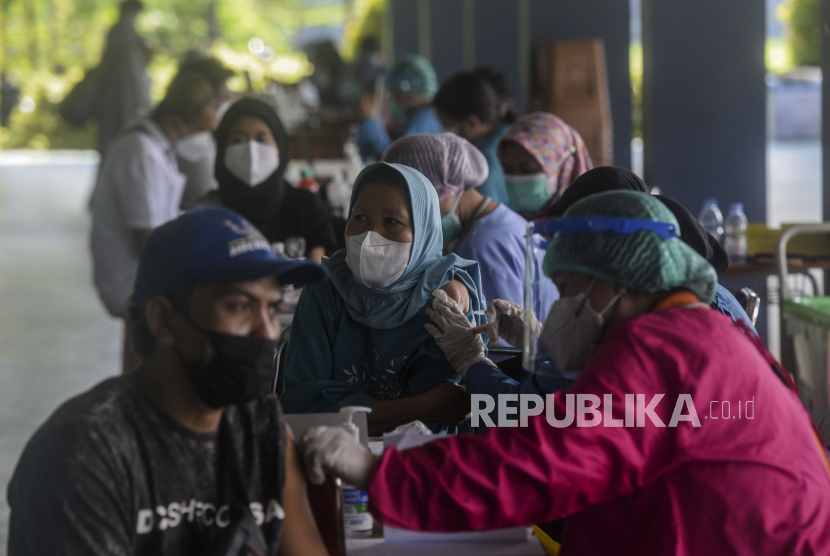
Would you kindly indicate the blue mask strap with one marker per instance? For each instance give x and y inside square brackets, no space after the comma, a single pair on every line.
[572,225]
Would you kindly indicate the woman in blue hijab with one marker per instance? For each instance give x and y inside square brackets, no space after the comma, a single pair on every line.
[358,338]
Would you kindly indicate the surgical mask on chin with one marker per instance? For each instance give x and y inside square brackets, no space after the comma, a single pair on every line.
[528,192]
[233,370]
[451,223]
[573,329]
[375,261]
[252,162]
[195,147]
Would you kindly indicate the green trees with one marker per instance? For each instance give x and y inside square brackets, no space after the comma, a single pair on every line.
[803,18]
[47,45]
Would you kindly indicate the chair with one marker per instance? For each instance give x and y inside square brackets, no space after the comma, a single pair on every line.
[751,303]
[282,350]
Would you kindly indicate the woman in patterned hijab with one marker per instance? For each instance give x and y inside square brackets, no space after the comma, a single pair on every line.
[541,156]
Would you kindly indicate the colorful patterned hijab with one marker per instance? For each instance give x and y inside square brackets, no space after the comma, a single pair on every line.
[557,147]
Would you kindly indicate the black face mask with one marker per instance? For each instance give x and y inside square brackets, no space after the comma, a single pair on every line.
[234,369]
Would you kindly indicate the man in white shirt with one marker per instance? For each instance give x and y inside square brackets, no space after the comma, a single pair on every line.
[139,185]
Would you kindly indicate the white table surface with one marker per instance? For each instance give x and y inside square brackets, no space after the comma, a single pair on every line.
[379,547]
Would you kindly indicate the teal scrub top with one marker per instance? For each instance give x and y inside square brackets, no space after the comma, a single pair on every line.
[494,186]
[334,361]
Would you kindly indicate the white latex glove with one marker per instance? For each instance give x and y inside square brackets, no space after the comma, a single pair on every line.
[334,450]
[506,320]
[453,334]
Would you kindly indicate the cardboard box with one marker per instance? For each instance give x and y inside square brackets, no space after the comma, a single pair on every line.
[572,82]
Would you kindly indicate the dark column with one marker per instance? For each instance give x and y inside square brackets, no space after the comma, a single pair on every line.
[704,102]
[587,19]
[404,27]
[447,37]
[497,40]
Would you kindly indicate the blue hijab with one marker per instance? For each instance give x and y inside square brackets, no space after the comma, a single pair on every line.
[390,307]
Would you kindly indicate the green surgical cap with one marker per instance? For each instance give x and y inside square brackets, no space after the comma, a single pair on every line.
[641,261]
[413,75]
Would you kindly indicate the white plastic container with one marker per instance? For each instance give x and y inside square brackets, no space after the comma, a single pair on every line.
[711,219]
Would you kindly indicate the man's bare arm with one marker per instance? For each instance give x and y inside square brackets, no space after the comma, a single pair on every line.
[299,535]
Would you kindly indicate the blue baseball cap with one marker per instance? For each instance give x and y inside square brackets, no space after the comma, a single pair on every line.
[211,246]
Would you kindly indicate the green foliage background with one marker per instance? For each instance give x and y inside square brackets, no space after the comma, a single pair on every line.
[47,45]
[803,18]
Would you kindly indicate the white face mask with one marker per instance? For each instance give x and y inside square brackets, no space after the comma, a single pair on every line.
[195,147]
[573,329]
[252,162]
[376,261]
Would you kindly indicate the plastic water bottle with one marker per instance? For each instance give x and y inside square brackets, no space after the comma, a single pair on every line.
[711,219]
[736,223]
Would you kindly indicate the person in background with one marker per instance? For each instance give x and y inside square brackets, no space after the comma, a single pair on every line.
[9,96]
[369,65]
[541,156]
[498,80]
[251,158]
[122,86]
[358,338]
[609,178]
[634,314]
[475,227]
[330,73]
[199,174]
[139,186]
[468,106]
[190,451]
[413,83]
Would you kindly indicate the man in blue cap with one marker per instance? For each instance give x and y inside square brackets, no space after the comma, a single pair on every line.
[188,454]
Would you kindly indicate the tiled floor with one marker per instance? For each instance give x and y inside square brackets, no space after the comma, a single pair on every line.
[55,338]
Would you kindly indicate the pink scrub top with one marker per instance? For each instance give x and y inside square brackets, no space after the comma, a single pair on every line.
[758,483]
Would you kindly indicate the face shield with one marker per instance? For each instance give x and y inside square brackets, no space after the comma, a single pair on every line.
[570,316]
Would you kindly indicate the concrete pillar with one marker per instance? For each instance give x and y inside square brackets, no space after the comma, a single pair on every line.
[704,102]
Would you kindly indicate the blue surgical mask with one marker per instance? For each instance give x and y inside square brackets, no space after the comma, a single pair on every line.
[528,192]
[451,224]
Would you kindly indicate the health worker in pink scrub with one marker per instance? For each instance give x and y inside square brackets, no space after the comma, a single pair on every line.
[698,471]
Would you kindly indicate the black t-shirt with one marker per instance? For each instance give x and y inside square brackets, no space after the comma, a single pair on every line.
[299,224]
[110,473]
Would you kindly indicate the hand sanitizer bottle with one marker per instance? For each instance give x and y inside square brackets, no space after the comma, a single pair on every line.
[356,516]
